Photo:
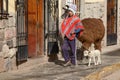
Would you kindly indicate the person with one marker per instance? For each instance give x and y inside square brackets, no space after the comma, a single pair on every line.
[70,28]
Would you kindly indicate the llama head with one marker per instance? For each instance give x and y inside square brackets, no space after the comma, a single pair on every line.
[86,53]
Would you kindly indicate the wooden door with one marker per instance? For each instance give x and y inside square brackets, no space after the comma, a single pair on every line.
[35,28]
[111,22]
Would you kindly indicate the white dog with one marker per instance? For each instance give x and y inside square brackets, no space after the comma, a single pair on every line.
[95,55]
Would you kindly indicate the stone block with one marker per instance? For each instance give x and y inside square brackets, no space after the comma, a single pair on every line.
[14,66]
[14,31]
[14,42]
[1,34]
[2,67]
[7,64]
[1,24]
[12,21]
[10,33]
[10,43]
[5,23]
[1,45]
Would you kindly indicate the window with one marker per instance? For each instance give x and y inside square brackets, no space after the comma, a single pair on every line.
[3,9]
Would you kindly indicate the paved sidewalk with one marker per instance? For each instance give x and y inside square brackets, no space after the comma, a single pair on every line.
[55,70]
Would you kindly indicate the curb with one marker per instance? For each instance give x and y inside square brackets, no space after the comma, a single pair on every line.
[103,72]
[31,63]
[110,48]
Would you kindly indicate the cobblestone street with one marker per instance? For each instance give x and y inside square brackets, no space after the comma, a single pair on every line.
[55,71]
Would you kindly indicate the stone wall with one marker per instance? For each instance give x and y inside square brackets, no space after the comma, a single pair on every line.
[8,37]
[8,31]
[93,10]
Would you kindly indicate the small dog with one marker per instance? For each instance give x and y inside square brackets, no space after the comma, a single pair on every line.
[94,54]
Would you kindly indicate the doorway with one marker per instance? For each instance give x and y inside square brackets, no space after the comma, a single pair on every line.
[35,28]
[51,27]
[111,22]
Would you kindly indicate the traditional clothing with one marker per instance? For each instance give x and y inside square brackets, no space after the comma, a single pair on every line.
[71,25]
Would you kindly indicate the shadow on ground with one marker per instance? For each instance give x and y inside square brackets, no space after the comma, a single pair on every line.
[113,53]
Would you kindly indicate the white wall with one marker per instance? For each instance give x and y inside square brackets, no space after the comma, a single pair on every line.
[95,9]
[94,0]
[11,6]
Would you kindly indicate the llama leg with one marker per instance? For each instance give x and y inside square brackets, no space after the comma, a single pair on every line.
[94,61]
[99,60]
[81,55]
[89,62]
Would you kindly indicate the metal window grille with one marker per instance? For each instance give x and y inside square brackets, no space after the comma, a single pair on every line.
[52,26]
[22,31]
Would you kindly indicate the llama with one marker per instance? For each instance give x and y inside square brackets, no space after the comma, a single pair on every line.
[95,55]
[93,32]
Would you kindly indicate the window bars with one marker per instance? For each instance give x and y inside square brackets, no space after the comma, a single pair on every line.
[22,30]
[4,9]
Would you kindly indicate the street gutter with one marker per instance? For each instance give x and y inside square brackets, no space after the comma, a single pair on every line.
[103,72]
